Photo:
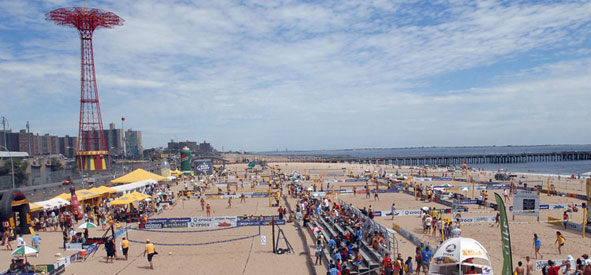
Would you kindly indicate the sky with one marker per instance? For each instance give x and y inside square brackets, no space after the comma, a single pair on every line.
[266,75]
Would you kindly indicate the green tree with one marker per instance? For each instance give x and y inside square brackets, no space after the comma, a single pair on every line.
[56,165]
[20,170]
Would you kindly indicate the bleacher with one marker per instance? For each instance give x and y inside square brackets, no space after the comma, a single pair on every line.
[371,258]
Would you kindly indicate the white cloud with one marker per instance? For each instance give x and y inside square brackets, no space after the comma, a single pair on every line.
[266,74]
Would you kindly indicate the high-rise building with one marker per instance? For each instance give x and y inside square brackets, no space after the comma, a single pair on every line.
[67,146]
[133,144]
[11,140]
[205,147]
[114,138]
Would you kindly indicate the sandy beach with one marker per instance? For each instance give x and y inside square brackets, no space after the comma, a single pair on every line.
[239,250]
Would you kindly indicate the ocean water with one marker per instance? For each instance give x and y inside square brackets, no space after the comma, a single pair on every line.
[554,168]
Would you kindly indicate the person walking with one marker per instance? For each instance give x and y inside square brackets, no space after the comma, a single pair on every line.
[151,251]
[36,240]
[393,210]
[537,245]
[560,241]
[6,239]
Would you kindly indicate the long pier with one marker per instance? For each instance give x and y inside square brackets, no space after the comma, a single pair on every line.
[468,159]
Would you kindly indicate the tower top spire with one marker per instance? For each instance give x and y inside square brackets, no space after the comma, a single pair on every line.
[85,10]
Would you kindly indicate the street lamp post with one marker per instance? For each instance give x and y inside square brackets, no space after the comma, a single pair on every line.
[11,165]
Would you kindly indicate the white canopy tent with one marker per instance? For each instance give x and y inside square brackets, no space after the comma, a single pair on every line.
[134,186]
[54,203]
[457,251]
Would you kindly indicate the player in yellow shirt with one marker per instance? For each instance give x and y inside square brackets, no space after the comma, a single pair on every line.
[151,250]
[125,247]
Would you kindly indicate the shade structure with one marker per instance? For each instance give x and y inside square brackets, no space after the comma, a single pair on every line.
[54,203]
[102,190]
[461,249]
[139,175]
[87,225]
[130,198]
[127,188]
[83,194]
[35,207]
[24,250]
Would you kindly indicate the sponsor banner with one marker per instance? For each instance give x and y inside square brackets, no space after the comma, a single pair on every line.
[505,237]
[212,222]
[153,226]
[259,223]
[203,167]
[169,220]
[422,179]
[354,180]
[121,231]
[91,249]
[74,247]
[175,225]
[487,219]
[442,179]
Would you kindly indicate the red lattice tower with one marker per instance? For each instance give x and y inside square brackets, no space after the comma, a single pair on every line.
[91,146]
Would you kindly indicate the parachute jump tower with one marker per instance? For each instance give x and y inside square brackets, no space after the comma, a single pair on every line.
[91,147]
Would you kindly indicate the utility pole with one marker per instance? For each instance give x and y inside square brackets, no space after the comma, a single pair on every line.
[29,138]
[124,139]
[4,122]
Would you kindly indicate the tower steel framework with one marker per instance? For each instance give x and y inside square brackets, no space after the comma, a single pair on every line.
[91,147]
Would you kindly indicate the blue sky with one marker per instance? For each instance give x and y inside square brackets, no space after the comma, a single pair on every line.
[261,75]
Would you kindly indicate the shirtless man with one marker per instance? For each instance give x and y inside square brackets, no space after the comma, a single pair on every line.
[242,198]
[519,270]
[529,266]
[208,207]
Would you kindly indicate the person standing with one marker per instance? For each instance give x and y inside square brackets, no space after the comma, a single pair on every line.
[560,240]
[229,202]
[20,242]
[125,247]
[110,248]
[519,270]
[529,266]
[318,252]
[202,204]
[393,210]
[151,251]
[537,246]
[208,207]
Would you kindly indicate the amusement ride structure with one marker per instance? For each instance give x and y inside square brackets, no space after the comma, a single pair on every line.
[91,147]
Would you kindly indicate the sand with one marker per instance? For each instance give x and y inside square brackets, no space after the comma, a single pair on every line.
[248,256]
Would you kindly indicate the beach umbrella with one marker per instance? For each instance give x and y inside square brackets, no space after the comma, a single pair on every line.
[87,225]
[24,251]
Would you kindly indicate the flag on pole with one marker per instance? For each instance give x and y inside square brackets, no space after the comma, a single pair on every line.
[505,237]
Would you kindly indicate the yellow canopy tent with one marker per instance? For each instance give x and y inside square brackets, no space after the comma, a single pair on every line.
[34,207]
[129,198]
[83,194]
[64,196]
[103,190]
[139,175]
